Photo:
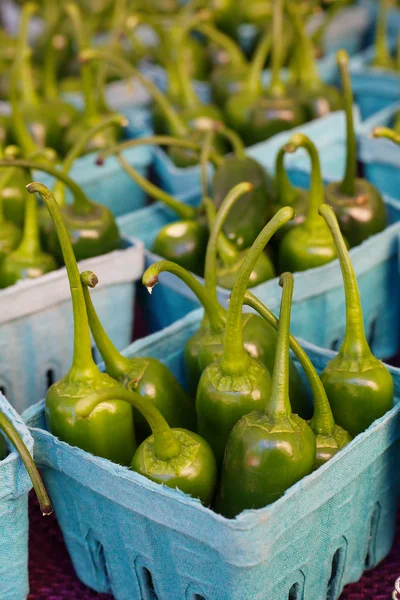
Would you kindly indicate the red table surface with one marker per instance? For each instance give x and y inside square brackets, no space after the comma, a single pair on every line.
[52,576]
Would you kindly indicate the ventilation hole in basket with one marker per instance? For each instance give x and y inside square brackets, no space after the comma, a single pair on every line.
[147,585]
[3,390]
[50,377]
[98,558]
[372,332]
[336,574]
[335,344]
[294,592]
[198,597]
[370,559]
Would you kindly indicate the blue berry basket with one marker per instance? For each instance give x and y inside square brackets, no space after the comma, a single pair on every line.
[138,540]
[14,487]
[379,156]
[393,22]
[374,89]
[36,324]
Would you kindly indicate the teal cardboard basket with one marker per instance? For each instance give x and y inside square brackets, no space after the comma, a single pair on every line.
[36,322]
[138,540]
[381,157]
[14,488]
[374,89]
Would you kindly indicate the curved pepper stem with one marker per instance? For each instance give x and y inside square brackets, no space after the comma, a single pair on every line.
[30,244]
[257,64]
[278,405]
[348,184]
[116,363]
[166,445]
[234,139]
[382,52]
[276,86]
[28,89]
[227,252]
[83,365]
[213,310]
[88,81]
[385,132]
[55,43]
[322,422]
[82,204]
[233,50]
[16,440]
[127,70]
[235,359]
[308,74]
[316,198]
[286,191]
[210,269]
[79,147]
[20,129]
[355,343]
[183,211]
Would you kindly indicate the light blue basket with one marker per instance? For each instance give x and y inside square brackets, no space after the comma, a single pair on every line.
[374,89]
[14,487]
[328,134]
[380,157]
[36,323]
[138,540]
[393,22]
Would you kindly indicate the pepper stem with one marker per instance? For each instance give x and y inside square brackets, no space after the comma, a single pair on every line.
[257,64]
[83,365]
[308,75]
[124,67]
[385,132]
[286,191]
[316,197]
[348,184]
[355,343]
[30,243]
[82,204]
[87,75]
[16,440]
[234,139]
[212,308]
[116,363]
[322,422]
[4,180]
[23,56]
[235,359]
[276,86]
[233,50]
[182,210]
[278,404]
[166,445]
[210,269]
[18,122]
[382,52]
[227,251]
[79,147]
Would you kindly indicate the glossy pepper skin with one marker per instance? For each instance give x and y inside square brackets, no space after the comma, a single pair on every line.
[236,384]
[109,430]
[330,438]
[268,450]
[177,458]
[251,212]
[308,245]
[15,439]
[358,205]
[359,387]
[27,260]
[146,376]
[92,228]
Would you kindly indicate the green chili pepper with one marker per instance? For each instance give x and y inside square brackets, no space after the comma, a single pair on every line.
[10,234]
[309,244]
[27,261]
[382,58]
[318,98]
[270,449]
[235,384]
[358,205]
[258,118]
[91,226]
[175,457]
[147,376]
[12,434]
[358,385]
[330,438]
[109,431]
[94,112]
[287,194]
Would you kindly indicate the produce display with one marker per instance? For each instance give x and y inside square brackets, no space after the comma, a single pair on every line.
[245,415]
